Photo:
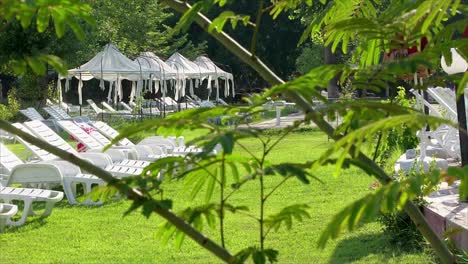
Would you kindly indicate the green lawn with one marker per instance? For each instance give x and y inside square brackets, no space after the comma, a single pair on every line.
[78,234]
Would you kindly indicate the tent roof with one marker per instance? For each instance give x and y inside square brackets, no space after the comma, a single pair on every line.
[153,62]
[205,62]
[187,67]
[109,65]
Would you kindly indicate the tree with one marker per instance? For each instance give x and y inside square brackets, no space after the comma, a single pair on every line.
[345,20]
[279,55]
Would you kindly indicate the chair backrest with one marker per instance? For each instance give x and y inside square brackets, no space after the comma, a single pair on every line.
[169,101]
[32,114]
[43,132]
[132,104]
[94,106]
[94,133]
[196,98]
[8,160]
[64,106]
[61,112]
[108,107]
[442,100]
[221,101]
[78,133]
[159,140]
[38,152]
[126,106]
[49,102]
[433,110]
[110,132]
[52,113]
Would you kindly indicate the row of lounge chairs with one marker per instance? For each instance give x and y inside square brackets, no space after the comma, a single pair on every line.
[154,107]
[122,160]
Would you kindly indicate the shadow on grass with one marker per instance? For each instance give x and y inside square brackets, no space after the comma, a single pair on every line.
[30,224]
[360,246]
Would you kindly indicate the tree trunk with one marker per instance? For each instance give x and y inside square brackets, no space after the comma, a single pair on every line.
[332,89]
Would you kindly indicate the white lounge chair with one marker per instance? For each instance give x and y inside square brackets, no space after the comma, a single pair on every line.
[444,137]
[222,102]
[32,114]
[126,106]
[112,110]
[58,113]
[29,196]
[48,170]
[144,110]
[20,173]
[52,113]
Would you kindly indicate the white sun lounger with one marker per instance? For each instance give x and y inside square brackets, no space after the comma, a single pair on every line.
[29,196]
[47,171]
[222,102]
[146,111]
[126,106]
[20,173]
[32,114]
[112,110]
[444,136]
[96,108]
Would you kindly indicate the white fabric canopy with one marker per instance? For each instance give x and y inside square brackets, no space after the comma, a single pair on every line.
[188,68]
[163,70]
[217,73]
[163,73]
[112,66]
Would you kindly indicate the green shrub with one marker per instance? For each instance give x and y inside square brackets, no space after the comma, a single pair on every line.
[401,231]
[8,112]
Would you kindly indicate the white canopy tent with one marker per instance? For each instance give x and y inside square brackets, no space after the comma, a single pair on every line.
[217,73]
[164,72]
[112,66]
[189,70]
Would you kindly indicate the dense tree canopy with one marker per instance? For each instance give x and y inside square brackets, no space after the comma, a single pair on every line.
[133,26]
[279,54]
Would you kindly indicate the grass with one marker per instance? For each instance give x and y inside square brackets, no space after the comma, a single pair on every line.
[79,234]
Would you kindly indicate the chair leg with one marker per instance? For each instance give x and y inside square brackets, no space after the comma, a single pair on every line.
[69,188]
[2,224]
[48,209]
[88,188]
[26,211]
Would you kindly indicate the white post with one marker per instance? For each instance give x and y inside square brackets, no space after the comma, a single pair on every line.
[278,116]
